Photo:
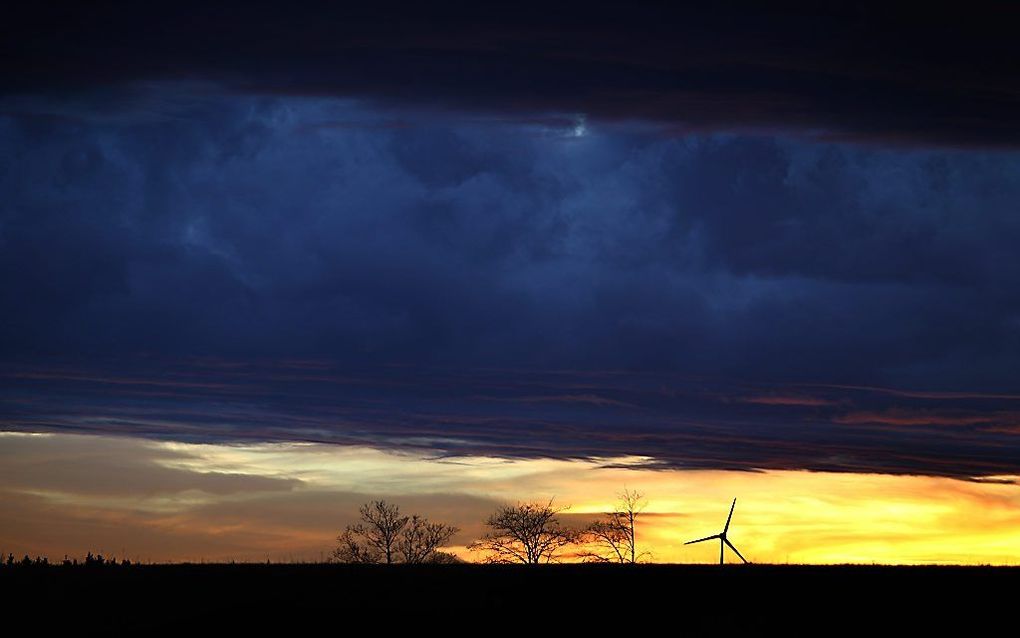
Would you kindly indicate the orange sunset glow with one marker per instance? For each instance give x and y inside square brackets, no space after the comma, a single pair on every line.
[174,502]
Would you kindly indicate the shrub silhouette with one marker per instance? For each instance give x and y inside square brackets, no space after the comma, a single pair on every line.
[384,535]
[528,533]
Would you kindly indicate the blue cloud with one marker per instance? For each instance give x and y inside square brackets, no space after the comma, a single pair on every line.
[251,228]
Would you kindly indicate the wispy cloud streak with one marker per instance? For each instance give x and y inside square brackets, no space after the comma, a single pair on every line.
[672,421]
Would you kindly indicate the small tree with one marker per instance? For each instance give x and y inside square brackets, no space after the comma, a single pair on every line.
[385,536]
[528,533]
[420,539]
[374,539]
[351,548]
[613,539]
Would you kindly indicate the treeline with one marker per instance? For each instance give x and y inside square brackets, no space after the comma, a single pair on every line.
[90,561]
[528,533]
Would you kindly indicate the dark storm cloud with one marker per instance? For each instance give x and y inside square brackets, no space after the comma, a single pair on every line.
[861,71]
[234,226]
[472,255]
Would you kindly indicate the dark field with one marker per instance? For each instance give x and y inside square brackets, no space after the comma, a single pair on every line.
[678,599]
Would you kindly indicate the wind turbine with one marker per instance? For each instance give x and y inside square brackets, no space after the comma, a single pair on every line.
[723,541]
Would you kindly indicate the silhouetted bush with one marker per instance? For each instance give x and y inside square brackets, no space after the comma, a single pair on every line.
[528,533]
[386,536]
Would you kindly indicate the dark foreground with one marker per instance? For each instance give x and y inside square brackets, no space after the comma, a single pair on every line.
[677,599]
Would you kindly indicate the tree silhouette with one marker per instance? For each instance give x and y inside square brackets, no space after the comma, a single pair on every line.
[420,539]
[386,536]
[351,548]
[374,539]
[613,539]
[528,533]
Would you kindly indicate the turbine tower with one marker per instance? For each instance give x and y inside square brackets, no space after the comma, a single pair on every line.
[723,541]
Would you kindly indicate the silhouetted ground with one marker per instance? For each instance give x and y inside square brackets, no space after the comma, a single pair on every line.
[477,599]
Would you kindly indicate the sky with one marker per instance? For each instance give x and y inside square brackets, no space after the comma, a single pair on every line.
[259,265]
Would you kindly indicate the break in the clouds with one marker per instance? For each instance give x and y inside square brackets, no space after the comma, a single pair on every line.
[470,285]
[607,418]
[174,501]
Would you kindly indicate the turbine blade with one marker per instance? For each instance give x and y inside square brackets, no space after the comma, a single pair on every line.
[727,528]
[707,538]
[727,541]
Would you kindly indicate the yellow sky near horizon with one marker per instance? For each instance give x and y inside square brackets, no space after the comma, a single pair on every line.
[169,501]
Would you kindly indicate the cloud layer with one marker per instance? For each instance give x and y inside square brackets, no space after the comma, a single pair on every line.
[207,224]
[867,73]
[658,421]
[159,260]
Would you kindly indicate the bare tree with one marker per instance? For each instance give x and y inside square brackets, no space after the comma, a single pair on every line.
[420,539]
[374,539]
[385,536]
[527,533]
[613,539]
[351,548]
